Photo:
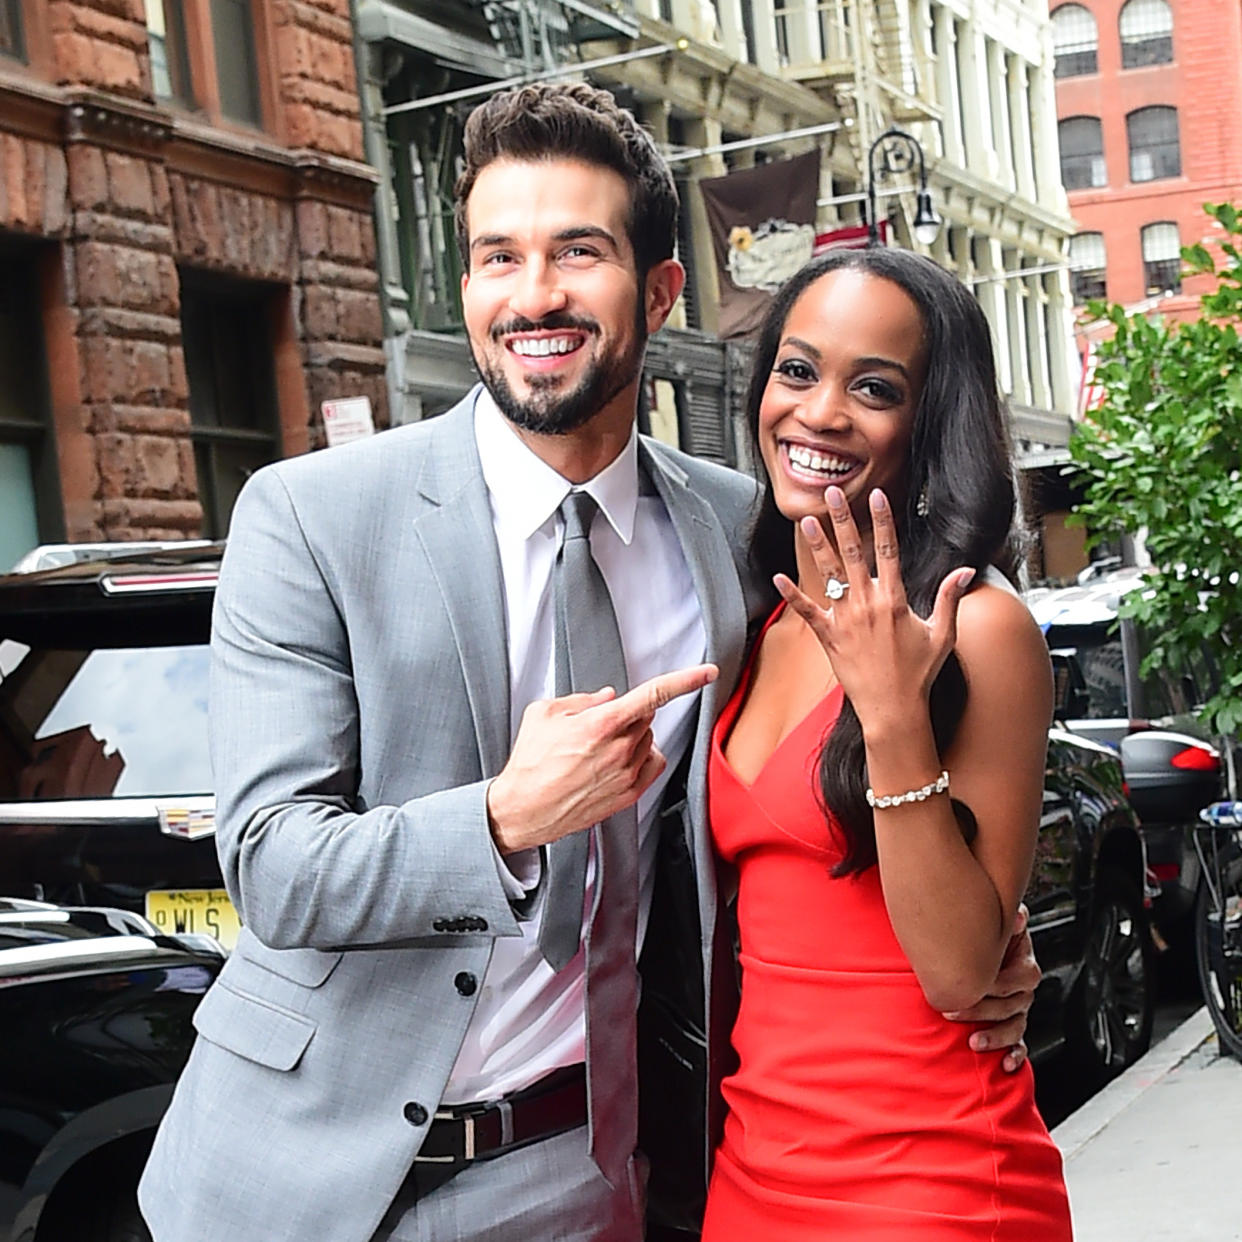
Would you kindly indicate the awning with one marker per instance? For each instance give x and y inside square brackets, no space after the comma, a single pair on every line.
[386,21]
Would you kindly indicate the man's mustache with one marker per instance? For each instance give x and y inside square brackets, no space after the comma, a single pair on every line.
[556,321]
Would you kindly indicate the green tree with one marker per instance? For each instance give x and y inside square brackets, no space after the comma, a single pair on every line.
[1163,455]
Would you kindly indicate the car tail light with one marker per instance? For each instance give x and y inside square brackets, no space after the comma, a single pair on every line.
[186,580]
[1196,759]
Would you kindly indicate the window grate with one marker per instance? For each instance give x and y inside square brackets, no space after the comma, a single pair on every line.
[1155,149]
[1088,262]
[1074,41]
[1162,257]
[1082,153]
[1146,28]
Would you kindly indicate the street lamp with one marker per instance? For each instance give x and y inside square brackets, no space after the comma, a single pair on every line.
[899,152]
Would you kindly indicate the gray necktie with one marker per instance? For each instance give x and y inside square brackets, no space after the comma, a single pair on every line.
[589,655]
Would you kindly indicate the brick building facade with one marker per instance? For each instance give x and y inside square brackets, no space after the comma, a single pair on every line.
[1148,103]
[187,252]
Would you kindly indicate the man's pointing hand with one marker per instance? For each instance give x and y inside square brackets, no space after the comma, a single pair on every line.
[580,758]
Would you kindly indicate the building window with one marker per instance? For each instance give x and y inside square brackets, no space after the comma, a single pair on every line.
[748,30]
[170,55]
[1155,151]
[1162,258]
[28,483]
[11,43]
[1074,41]
[204,53]
[1146,33]
[1082,153]
[237,78]
[1087,265]
[783,52]
[227,335]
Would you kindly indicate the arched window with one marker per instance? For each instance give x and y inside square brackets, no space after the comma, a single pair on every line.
[1082,153]
[1162,257]
[1155,150]
[1146,33]
[1074,41]
[1087,267]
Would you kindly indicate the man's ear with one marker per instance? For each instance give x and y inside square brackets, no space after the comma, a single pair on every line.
[665,281]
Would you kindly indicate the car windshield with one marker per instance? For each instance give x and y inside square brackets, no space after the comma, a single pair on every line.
[103,722]
[1103,669]
[1165,692]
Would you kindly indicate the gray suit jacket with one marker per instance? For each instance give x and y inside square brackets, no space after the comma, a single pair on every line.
[359,704]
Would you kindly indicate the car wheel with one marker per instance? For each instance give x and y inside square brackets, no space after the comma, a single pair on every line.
[1114,1000]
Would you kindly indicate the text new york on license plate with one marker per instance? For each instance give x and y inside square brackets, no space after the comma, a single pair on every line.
[206,911]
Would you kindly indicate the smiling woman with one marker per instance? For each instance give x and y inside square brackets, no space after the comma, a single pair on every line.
[876,415]
[834,413]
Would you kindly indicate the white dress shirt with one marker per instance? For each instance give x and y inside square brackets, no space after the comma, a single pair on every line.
[530,1020]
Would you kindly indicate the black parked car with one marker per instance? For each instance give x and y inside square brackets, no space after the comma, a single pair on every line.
[105,795]
[105,788]
[95,1010]
[1173,766]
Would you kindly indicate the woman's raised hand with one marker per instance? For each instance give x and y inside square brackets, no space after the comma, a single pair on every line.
[884,655]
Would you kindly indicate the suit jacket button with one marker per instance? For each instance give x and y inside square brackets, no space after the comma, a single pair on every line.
[415,1113]
[466,983]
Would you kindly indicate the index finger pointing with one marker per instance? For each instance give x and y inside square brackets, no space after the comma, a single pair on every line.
[645,699]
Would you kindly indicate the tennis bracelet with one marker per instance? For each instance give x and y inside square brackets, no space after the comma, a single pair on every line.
[938,786]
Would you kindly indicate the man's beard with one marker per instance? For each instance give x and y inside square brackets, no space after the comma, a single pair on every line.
[549,409]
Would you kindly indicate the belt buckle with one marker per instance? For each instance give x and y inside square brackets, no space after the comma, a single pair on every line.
[467,1120]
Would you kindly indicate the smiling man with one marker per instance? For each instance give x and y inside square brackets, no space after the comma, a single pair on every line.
[398,1048]
[447,824]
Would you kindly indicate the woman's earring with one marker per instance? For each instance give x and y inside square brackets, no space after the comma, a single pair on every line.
[922,508]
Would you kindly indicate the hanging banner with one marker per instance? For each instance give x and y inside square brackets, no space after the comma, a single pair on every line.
[853,237]
[763,229]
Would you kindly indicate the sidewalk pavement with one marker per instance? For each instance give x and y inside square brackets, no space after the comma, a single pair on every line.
[1157,1155]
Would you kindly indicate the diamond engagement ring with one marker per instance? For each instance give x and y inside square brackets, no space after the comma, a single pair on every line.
[834,588]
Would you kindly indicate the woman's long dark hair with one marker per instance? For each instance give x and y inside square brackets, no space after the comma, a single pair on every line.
[960,462]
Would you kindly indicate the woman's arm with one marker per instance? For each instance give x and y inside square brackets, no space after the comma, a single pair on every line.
[952,905]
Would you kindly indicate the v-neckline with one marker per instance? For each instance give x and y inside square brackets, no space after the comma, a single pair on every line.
[729,719]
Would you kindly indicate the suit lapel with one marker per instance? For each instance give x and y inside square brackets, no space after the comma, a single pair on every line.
[712,569]
[460,543]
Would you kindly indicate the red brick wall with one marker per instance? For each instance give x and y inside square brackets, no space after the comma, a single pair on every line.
[315,59]
[101,43]
[132,190]
[1204,85]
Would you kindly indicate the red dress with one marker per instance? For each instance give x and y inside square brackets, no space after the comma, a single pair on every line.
[857,1112]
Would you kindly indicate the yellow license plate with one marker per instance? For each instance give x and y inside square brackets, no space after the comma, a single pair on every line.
[207,911]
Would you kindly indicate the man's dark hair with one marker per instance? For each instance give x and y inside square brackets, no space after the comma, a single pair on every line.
[960,465]
[574,121]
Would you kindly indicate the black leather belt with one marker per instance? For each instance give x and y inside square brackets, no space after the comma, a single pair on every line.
[466,1132]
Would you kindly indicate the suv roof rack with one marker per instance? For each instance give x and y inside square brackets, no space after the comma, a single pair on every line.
[56,555]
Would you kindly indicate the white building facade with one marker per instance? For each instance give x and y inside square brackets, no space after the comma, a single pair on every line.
[722,85]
